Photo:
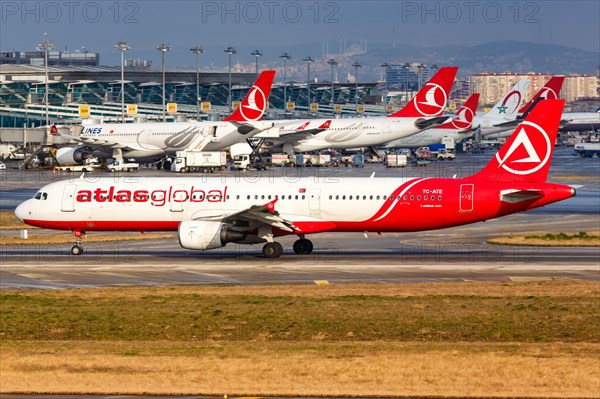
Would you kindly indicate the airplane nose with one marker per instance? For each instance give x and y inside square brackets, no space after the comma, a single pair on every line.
[21,212]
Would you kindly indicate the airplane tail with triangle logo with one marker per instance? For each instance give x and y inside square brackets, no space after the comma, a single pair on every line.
[431,99]
[254,105]
[526,155]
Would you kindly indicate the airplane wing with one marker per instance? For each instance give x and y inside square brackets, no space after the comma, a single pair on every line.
[265,214]
[512,196]
[299,135]
[97,143]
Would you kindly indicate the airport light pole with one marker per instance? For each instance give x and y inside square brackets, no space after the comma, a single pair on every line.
[356,65]
[256,53]
[46,46]
[163,48]
[308,60]
[230,51]
[122,47]
[285,57]
[332,63]
[420,69]
[385,66]
[197,50]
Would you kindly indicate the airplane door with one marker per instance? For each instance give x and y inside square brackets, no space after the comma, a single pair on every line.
[68,199]
[314,201]
[178,197]
[386,127]
[466,197]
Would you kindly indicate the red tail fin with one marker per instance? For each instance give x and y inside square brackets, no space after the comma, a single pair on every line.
[464,116]
[255,103]
[526,155]
[550,91]
[431,99]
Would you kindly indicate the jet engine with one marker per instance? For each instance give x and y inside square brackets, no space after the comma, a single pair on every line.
[72,156]
[194,234]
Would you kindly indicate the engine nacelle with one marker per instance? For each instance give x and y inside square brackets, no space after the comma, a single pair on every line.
[72,156]
[194,234]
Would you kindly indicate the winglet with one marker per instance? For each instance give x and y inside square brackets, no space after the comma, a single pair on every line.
[270,206]
[326,124]
[431,99]
[53,129]
[256,101]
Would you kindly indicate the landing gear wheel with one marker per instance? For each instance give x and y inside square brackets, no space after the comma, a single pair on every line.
[76,250]
[303,247]
[272,250]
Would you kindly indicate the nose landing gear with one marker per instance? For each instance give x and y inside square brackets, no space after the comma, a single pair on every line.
[77,249]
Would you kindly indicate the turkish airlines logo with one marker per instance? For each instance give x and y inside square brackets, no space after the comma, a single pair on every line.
[529,151]
[464,118]
[432,101]
[548,94]
[326,125]
[254,105]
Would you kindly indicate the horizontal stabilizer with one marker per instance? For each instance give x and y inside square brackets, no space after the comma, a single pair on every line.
[513,196]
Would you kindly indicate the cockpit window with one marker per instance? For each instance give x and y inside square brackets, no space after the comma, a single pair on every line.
[41,196]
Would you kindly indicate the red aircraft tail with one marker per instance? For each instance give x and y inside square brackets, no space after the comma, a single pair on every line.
[431,99]
[526,155]
[255,103]
[550,91]
[464,116]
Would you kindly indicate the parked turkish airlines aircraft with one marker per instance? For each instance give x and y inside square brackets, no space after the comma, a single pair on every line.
[155,140]
[459,128]
[550,91]
[570,121]
[503,115]
[209,213]
[422,112]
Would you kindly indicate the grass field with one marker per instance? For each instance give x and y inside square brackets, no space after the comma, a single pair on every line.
[467,339]
[581,239]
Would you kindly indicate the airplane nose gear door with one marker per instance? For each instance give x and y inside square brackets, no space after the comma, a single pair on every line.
[466,197]
[68,199]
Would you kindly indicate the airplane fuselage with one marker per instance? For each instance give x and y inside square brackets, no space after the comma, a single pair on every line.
[158,139]
[428,137]
[344,204]
[349,133]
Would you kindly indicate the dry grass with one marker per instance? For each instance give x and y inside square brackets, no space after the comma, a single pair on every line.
[8,221]
[62,238]
[568,288]
[370,369]
[550,240]
[445,339]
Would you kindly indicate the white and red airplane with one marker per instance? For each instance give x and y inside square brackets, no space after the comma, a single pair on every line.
[459,128]
[209,213]
[155,140]
[422,112]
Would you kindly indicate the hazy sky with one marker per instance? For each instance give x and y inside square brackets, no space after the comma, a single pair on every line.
[277,25]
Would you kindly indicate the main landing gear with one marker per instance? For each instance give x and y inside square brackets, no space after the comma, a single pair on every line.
[275,250]
[77,249]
